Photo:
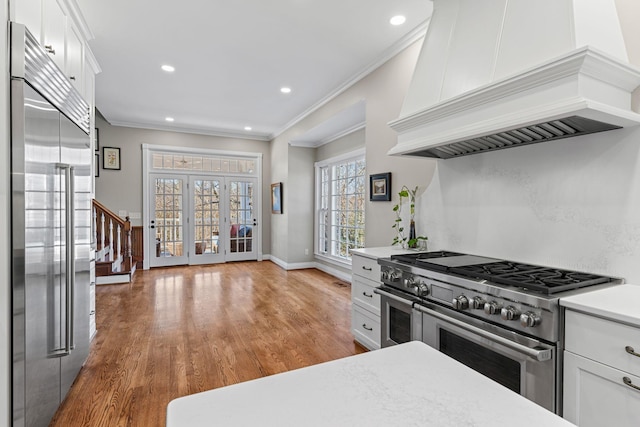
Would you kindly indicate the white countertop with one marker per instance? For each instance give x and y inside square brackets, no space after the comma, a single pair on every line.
[408,384]
[620,303]
[381,252]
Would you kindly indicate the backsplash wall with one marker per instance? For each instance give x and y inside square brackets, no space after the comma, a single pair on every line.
[572,204]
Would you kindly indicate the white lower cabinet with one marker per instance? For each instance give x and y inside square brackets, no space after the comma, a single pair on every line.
[595,395]
[601,385]
[365,304]
[365,327]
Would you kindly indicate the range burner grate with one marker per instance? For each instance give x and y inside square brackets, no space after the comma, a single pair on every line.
[414,258]
[542,279]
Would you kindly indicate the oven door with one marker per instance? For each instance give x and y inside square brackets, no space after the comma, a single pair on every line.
[397,324]
[522,364]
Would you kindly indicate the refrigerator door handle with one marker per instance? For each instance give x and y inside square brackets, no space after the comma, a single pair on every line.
[69,259]
[71,250]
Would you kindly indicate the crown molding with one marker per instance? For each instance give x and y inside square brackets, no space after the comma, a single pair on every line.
[198,131]
[416,34]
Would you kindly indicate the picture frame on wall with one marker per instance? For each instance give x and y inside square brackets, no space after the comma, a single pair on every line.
[96,165]
[380,187]
[111,158]
[97,139]
[276,198]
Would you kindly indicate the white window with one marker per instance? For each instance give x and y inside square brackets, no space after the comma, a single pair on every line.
[340,201]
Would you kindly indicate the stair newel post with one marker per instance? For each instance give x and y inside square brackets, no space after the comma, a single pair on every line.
[94,226]
[127,245]
[119,240]
[110,239]
[102,235]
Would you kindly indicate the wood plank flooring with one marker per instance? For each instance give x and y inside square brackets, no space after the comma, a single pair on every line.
[178,331]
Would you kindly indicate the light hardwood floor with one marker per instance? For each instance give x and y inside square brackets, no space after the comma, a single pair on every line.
[178,331]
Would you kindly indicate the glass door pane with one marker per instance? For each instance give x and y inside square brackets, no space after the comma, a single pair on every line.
[168,221]
[206,201]
[242,219]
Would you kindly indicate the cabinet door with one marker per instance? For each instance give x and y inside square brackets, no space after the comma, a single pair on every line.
[74,59]
[363,295]
[595,395]
[365,267]
[29,13]
[53,31]
[365,328]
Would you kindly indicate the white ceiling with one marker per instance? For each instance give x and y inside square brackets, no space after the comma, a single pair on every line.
[232,58]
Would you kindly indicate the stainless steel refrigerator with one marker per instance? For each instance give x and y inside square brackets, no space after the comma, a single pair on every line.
[51,231]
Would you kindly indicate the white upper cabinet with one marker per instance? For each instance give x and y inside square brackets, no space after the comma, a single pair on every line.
[29,13]
[74,60]
[53,31]
[61,30]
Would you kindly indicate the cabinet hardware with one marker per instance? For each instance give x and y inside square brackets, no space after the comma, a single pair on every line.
[366,268]
[72,78]
[50,49]
[628,382]
[367,295]
[631,351]
[364,325]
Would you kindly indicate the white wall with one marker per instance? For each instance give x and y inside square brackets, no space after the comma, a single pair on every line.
[5,233]
[573,203]
[383,91]
[122,190]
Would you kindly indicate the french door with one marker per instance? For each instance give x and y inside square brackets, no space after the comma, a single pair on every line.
[241,195]
[201,219]
[168,220]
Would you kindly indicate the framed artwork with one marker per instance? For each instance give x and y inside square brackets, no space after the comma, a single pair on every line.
[276,198]
[111,158]
[380,187]
[97,139]
[96,164]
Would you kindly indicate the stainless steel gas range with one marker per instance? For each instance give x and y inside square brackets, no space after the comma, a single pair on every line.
[499,317]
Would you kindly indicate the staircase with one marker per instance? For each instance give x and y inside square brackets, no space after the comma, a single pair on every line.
[113,236]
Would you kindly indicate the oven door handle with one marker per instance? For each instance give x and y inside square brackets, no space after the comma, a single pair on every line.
[392,296]
[539,355]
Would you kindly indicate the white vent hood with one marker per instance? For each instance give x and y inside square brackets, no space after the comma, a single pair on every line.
[495,74]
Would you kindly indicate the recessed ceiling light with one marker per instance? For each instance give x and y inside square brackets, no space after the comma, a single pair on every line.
[285,89]
[169,119]
[247,128]
[397,20]
[168,68]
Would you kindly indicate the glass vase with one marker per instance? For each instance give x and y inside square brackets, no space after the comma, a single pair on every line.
[412,235]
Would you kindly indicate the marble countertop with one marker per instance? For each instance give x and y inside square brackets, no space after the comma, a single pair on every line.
[381,252]
[619,303]
[409,384]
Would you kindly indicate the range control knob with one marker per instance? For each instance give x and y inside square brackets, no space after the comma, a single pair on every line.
[394,276]
[461,303]
[530,319]
[422,289]
[492,307]
[409,282]
[384,275]
[477,303]
[509,313]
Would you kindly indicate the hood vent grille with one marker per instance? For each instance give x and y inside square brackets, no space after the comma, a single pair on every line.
[541,132]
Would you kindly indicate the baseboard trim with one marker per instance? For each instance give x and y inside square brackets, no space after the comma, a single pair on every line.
[113,279]
[318,266]
[334,272]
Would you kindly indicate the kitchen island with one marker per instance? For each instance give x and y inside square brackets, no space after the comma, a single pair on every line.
[407,384]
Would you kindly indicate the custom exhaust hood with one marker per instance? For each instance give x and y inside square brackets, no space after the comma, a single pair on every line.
[495,74]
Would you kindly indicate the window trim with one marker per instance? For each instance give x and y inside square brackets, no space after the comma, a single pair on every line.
[342,158]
